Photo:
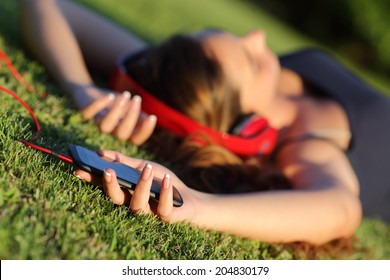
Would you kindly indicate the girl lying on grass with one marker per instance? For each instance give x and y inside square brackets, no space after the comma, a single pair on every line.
[327,166]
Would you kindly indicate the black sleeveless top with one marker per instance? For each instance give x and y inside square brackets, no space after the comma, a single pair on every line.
[369,116]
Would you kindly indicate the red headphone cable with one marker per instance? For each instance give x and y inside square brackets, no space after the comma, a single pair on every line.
[19,77]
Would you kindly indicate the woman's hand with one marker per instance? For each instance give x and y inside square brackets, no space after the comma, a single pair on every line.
[140,202]
[116,114]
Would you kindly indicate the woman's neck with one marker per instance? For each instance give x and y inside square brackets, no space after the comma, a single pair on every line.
[283,110]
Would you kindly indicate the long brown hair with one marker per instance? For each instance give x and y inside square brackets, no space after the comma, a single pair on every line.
[181,74]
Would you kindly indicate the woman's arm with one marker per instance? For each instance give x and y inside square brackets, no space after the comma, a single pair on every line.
[324,206]
[67,38]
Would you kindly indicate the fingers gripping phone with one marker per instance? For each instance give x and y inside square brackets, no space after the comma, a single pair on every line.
[127,176]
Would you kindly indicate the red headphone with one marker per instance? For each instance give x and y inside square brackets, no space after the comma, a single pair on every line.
[253,136]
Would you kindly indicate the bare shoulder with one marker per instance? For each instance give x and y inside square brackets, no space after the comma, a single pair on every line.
[317,163]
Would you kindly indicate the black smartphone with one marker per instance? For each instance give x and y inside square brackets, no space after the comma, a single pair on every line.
[127,176]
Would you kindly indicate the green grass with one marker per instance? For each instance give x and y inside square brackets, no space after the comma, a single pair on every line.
[47,213]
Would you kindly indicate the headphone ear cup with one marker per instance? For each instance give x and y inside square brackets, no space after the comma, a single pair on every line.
[250,126]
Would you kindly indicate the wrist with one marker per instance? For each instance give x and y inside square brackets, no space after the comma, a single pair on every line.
[81,94]
[202,206]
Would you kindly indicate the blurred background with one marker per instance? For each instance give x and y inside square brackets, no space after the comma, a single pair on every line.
[358,29]
[355,31]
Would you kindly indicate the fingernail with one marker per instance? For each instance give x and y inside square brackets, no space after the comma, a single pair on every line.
[111,96]
[146,172]
[74,173]
[167,181]
[107,176]
[127,94]
[137,98]
[125,98]
[152,118]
